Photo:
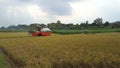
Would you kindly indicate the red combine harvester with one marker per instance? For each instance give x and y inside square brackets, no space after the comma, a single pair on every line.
[42,31]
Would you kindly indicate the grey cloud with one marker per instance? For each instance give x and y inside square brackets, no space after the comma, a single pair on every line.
[20,18]
[53,7]
[8,11]
[56,7]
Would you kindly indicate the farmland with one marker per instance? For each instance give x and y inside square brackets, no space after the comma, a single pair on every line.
[90,31]
[62,51]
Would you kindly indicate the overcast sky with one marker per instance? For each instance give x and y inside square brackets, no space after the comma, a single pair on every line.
[13,12]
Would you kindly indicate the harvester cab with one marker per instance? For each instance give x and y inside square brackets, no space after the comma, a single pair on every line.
[42,31]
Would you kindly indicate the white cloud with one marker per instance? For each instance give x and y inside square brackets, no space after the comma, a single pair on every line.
[68,11]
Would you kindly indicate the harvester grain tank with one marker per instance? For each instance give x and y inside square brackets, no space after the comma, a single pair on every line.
[42,31]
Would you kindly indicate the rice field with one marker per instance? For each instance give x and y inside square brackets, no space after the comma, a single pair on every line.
[100,50]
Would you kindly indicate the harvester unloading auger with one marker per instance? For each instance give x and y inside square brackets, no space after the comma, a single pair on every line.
[42,31]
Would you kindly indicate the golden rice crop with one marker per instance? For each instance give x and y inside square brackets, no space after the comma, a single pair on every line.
[63,51]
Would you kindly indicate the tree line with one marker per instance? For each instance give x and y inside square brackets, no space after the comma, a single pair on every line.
[97,24]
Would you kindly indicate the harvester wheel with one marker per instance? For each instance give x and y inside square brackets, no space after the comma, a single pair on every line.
[39,34]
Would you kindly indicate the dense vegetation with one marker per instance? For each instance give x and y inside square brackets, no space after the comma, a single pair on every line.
[86,31]
[96,25]
[63,51]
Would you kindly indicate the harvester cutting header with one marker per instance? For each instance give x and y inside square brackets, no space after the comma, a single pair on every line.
[42,31]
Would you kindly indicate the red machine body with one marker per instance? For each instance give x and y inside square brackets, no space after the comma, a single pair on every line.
[38,33]
[42,31]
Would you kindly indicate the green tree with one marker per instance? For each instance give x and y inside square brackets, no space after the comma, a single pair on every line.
[33,27]
[57,25]
[98,22]
[2,27]
[106,24]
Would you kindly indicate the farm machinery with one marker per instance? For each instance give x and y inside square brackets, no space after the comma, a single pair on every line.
[42,31]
